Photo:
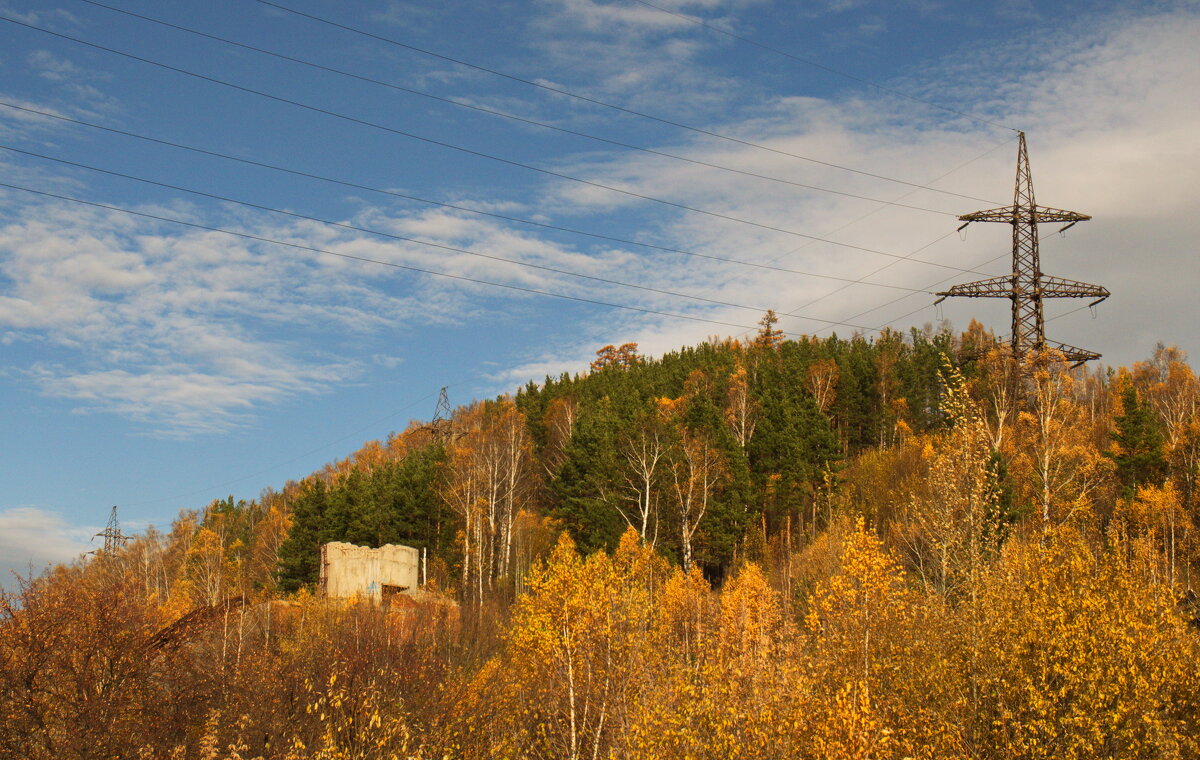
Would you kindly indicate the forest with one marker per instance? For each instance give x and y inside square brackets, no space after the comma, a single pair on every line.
[911,546]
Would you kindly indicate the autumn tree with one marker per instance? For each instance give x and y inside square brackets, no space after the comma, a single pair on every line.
[489,482]
[1156,515]
[1052,449]
[877,653]
[998,389]
[559,421]
[955,522]
[1173,391]
[1084,659]
[617,357]
[768,337]
[696,470]
[741,408]
[574,655]
[75,678]
[823,381]
[645,447]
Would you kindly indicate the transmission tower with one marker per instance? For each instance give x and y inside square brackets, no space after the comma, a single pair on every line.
[114,539]
[441,412]
[1027,286]
[442,422]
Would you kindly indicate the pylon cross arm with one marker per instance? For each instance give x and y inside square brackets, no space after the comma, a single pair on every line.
[1039,214]
[995,287]
[1058,287]
[1076,356]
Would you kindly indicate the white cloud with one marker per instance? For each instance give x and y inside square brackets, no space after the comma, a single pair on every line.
[637,56]
[54,69]
[33,538]
[405,14]
[1111,127]
[388,361]
[612,17]
[53,17]
[188,332]
[20,120]
[74,81]
[180,401]
[872,27]
[166,327]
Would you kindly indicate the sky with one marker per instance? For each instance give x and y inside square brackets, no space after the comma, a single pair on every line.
[239,238]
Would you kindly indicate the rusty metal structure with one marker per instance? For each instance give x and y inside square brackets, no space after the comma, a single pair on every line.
[442,416]
[114,539]
[1027,286]
[442,425]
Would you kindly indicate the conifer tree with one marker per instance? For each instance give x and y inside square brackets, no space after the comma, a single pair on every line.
[298,555]
[1138,453]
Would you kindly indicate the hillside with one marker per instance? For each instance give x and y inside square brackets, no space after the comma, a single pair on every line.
[900,547]
[699,450]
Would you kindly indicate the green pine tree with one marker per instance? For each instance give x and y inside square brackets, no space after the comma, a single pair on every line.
[1138,453]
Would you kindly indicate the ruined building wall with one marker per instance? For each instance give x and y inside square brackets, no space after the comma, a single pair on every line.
[348,570]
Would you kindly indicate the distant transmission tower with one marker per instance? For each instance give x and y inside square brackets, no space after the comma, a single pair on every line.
[114,539]
[441,412]
[1027,286]
[443,419]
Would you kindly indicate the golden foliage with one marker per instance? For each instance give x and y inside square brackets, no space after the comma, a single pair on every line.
[928,619]
[1083,659]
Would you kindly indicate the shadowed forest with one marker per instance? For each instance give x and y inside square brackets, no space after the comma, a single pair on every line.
[906,547]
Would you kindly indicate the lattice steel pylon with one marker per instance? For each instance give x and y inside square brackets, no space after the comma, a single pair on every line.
[114,539]
[442,423]
[1027,286]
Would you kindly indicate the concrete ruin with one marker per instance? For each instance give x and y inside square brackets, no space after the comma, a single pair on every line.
[376,574]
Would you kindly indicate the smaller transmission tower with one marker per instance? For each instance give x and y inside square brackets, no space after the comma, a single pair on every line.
[114,539]
[441,412]
[442,423]
[1027,286]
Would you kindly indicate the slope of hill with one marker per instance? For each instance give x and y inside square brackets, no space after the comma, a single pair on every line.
[818,548]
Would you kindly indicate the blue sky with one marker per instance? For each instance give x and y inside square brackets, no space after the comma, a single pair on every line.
[156,366]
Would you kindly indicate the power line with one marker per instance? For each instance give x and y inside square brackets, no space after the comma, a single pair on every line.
[864,278]
[889,265]
[227,199]
[908,314]
[513,117]
[394,265]
[380,233]
[810,303]
[872,212]
[926,306]
[901,298]
[456,207]
[885,304]
[1069,312]
[815,64]
[594,101]
[469,151]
